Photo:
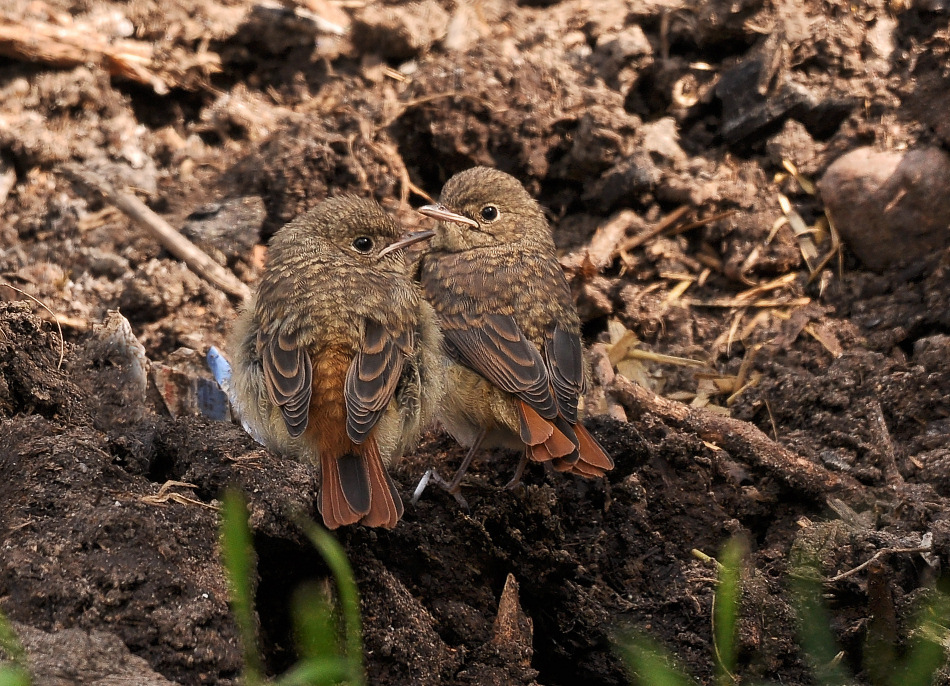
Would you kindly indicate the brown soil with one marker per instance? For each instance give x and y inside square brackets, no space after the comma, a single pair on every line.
[600,107]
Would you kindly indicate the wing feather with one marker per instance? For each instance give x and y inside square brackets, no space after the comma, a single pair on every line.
[372,378]
[288,377]
[494,346]
[565,362]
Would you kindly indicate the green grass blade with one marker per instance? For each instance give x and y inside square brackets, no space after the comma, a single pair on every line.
[317,672]
[648,663]
[335,557]
[14,676]
[17,672]
[238,552]
[726,610]
[928,652]
[814,628]
[314,624]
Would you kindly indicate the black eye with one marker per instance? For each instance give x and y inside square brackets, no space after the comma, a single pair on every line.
[364,244]
[489,213]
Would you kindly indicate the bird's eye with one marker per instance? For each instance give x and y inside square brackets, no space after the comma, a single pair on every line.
[363,244]
[489,213]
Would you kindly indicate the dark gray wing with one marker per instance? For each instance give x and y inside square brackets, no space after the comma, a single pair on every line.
[372,378]
[288,376]
[494,346]
[565,361]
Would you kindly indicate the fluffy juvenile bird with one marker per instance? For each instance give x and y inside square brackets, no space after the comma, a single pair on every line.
[337,356]
[510,326]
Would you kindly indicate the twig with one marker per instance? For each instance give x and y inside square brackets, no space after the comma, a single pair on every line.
[162,231]
[410,104]
[654,231]
[745,302]
[603,245]
[703,557]
[882,438]
[834,250]
[876,556]
[391,157]
[660,358]
[689,226]
[740,439]
[165,494]
[7,180]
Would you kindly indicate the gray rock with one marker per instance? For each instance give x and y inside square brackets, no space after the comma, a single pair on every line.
[890,207]
[227,230]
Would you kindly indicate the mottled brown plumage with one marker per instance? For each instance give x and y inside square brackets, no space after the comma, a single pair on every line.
[337,356]
[509,324]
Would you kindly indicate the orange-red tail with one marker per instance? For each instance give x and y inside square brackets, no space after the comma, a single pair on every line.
[385,505]
[357,488]
[336,509]
[545,441]
[592,461]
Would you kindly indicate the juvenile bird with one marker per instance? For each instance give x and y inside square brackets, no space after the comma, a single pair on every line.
[337,356]
[510,326]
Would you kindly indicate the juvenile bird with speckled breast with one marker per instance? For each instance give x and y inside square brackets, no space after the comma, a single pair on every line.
[510,328]
[337,356]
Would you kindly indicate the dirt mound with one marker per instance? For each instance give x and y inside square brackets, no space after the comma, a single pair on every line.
[675,149]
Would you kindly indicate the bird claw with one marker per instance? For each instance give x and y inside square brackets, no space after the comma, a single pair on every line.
[433,476]
[519,472]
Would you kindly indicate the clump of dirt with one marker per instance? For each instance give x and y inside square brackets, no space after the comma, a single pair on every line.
[675,150]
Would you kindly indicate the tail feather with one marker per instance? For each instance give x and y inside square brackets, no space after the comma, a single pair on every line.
[565,452]
[333,504]
[593,460]
[357,488]
[535,429]
[385,507]
[354,482]
[580,468]
[560,444]
[539,453]
[546,439]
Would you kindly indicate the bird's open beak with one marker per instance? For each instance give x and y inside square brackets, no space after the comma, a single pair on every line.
[442,213]
[407,240]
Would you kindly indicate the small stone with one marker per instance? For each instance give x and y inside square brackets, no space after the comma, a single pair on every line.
[104,263]
[625,44]
[227,230]
[623,184]
[795,144]
[662,138]
[77,656]
[890,207]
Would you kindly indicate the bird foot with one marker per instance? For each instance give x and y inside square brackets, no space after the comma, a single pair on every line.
[433,476]
[519,472]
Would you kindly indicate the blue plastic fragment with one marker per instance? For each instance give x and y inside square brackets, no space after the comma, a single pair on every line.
[220,368]
[221,371]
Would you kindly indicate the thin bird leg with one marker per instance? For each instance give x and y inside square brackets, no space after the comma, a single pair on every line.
[453,485]
[519,472]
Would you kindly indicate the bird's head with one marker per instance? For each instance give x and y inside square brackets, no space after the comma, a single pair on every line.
[483,207]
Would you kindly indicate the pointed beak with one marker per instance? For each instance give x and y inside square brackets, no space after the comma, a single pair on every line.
[407,240]
[442,213]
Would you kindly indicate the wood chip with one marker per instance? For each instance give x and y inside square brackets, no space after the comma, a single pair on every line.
[72,45]
[826,336]
[742,302]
